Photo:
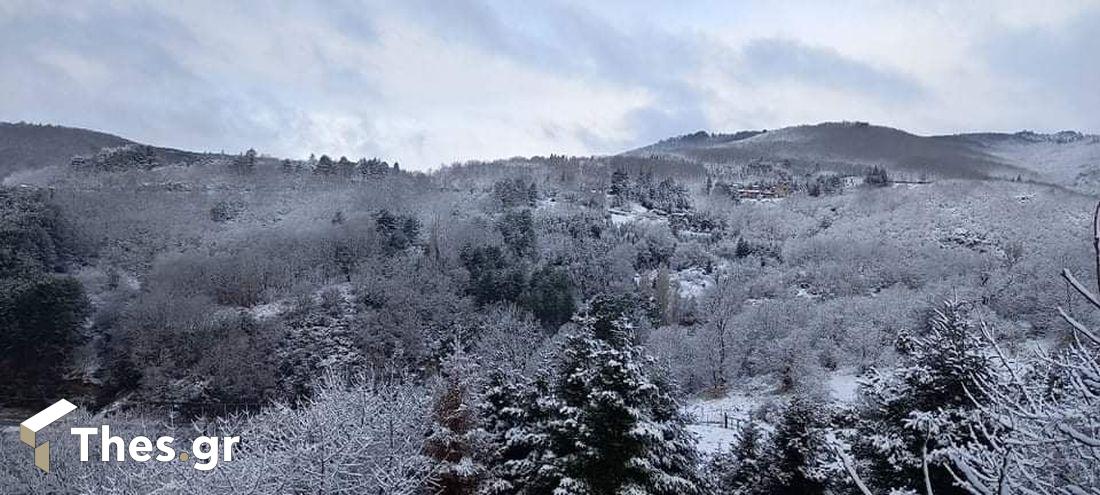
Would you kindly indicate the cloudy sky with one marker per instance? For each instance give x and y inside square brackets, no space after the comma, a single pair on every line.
[431,82]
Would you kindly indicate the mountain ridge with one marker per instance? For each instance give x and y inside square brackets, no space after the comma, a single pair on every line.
[1068,158]
[25,146]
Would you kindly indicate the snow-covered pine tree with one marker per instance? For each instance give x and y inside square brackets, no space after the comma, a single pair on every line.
[518,230]
[795,461]
[916,412]
[344,167]
[454,442]
[317,341]
[665,295]
[672,457]
[876,176]
[620,183]
[324,166]
[671,197]
[532,195]
[740,469]
[245,163]
[511,420]
[643,189]
[612,427]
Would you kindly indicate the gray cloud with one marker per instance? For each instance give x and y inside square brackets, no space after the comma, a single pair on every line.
[1054,66]
[118,69]
[765,60]
[566,39]
[370,77]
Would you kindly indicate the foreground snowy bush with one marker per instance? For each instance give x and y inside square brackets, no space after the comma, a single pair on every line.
[361,438]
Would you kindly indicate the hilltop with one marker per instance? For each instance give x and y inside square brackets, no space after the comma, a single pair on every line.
[31,146]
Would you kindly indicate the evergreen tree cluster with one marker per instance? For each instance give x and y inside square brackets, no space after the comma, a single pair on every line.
[825,186]
[495,277]
[513,193]
[42,309]
[876,176]
[517,227]
[901,436]
[398,231]
[926,403]
[667,195]
[600,418]
[325,166]
[318,341]
[122,158]
[245,164]
[794,458]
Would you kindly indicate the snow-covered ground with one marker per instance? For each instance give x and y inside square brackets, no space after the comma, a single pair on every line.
[731,410]
[717,422]
[270,310]
[692,282]
[713,439]
[1068,160]
[275,308]
[633,212]
[843,385]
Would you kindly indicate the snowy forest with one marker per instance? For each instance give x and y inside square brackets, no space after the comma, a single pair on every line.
[831,309]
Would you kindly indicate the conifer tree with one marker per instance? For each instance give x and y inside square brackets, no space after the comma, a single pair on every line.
[740,469]
[665,295]
[324,166]
[518,230]
[454,442]
[743,248]
[549,296]
[511,417]
[612,426]
[620,183]
[644,189]
[796,459]
[924,406]
[532,195]
[435,252]
[318,340]
[373,167]
[345,167]
[877,177]
[246,163]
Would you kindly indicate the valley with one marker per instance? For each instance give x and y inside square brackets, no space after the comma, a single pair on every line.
[739,275]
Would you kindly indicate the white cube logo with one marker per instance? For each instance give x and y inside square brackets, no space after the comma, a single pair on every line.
[30,428]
